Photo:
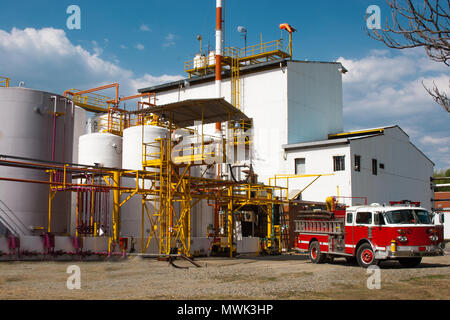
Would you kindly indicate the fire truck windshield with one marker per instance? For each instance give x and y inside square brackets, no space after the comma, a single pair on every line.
[408,216]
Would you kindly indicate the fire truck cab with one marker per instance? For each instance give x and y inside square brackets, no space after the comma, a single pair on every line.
[402,231]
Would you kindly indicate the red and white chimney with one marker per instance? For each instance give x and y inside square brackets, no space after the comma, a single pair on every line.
[218,54]
[218,48]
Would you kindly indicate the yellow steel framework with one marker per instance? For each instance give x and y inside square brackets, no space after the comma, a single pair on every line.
[235,58]
[165,181]
[288,177]
[4,82]
[90,101]
[258,53]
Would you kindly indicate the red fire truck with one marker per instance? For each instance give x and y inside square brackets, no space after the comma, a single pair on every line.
[402,231]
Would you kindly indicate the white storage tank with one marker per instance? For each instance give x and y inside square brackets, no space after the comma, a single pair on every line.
[103,149]
[131,212]
[79,129]
[26,130]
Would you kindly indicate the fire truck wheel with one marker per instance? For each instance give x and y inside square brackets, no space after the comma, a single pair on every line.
[410,262]
[366,256]
[314,253]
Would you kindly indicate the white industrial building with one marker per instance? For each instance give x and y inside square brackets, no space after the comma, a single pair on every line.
[375,165]
[297,113]
[288,101]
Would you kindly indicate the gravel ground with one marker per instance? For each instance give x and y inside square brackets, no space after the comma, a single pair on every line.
[247,277]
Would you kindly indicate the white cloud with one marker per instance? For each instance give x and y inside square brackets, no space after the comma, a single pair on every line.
[97,49]
[169,40]
[144,27]
[47,60]
[440,141]
[140,46]
[387,87]
[148,80]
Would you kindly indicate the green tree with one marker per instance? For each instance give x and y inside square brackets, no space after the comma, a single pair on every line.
[440,174]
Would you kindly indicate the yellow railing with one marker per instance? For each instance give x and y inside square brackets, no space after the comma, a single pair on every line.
[153,152]
[255,191]
[257,51]
[4,82]
[93,100]
[280,177]
[113,123]
[209,148]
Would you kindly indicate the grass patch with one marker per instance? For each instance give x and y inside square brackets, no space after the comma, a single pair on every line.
[13,279]
[429,277]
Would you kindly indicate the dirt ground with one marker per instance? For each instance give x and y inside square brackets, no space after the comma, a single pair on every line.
[248,277]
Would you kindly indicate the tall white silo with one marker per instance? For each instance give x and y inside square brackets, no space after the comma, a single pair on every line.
[131,212]
[102,150]
[34,125]
[79,129]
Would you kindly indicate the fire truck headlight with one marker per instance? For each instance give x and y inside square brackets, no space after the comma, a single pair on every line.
[434,238]
[402,238]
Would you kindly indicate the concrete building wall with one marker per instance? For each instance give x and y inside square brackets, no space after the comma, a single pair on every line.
[288,104]
[319,160]
[314,101]
[406,174]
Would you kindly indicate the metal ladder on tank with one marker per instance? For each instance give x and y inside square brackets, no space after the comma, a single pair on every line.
[10,220]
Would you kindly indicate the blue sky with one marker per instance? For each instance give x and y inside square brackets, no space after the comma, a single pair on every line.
[142,43]
[326,29]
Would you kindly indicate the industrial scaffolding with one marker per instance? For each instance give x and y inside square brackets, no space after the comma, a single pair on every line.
[166,178]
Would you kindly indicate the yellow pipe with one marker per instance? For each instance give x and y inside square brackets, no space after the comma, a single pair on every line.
[356,133]
[49,229]
[142,223]
[116,206]
[230,221]
[269,221]
[92,209]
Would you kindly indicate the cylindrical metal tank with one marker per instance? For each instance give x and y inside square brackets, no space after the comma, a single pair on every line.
[104,149]
[131,212]
[132,144]
[79,129]
[36,125]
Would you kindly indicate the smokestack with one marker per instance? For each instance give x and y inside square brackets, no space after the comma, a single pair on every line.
[218,54]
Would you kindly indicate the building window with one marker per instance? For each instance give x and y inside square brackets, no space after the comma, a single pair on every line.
[300,166]
[339,163]
[374,167]
[382,166]
[357,163]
